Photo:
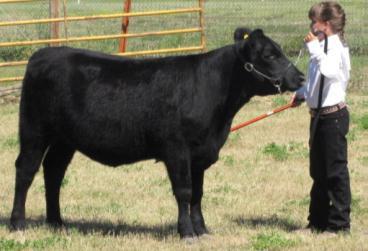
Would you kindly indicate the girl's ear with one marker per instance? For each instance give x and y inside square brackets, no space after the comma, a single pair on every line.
[241,33]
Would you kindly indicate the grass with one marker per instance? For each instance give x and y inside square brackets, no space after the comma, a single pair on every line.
[276,151]
[271,241]
[280,100]
[252,201]
[255,196]
[363,122]
[285,151]
[38,244]
[10,143]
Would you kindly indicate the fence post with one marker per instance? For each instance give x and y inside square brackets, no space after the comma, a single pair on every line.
[124,26]
[54,26]
[201,22]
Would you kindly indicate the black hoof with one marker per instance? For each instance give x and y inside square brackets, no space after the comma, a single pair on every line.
[200,230]
[55,223]
[189,240]
[205,236]
[17,225]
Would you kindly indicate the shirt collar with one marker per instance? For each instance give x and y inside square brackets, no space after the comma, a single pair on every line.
[332,40]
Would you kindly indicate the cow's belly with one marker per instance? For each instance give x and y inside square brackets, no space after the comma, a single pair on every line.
[109,147]
[115,157]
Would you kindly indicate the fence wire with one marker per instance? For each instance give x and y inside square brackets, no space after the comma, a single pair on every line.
[285,21]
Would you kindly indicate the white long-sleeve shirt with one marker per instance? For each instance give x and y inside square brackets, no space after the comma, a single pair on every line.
[335,66]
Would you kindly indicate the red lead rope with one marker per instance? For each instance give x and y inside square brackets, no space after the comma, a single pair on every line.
[280,109]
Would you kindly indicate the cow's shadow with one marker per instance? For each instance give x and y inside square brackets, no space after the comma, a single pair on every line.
[270,221]
[159,232]
[104,228]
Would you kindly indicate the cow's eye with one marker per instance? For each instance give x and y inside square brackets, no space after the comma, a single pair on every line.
[270,57]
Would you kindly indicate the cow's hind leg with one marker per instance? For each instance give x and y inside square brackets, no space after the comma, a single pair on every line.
[178,167]
[55,164]
[32,149]
[195,205]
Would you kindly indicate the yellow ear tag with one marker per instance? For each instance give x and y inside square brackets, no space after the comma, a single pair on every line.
[245,36]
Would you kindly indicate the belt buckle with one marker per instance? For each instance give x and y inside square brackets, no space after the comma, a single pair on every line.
[328,110]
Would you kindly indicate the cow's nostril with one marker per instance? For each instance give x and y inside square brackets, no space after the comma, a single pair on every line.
[302,78]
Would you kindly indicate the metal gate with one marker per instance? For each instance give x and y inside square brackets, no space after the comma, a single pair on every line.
[56,18]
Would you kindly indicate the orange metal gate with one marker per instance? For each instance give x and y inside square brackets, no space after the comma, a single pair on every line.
[122,35]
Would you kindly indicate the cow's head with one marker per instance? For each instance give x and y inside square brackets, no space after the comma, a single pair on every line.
[270,70]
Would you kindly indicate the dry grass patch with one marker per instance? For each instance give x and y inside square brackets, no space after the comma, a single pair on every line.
[252,199]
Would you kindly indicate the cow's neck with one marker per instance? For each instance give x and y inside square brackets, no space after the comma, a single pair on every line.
[239,90]
[229,84]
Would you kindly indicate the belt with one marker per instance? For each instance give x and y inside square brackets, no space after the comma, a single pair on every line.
[328,109]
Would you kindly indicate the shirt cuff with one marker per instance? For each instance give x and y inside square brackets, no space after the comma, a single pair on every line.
[300,93]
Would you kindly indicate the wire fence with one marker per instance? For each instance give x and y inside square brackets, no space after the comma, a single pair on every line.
[285,21]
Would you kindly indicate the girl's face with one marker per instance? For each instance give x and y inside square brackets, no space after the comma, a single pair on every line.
[319,27]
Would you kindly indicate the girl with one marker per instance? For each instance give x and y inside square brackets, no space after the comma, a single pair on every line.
[330,194]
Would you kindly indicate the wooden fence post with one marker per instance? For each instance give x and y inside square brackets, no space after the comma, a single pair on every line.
[201,23]
[124,26]
[54,26]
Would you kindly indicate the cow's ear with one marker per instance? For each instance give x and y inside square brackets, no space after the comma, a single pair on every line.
[258,33]
[241,33]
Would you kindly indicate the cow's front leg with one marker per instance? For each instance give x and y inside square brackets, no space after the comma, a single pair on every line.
[195,205]
[178,167]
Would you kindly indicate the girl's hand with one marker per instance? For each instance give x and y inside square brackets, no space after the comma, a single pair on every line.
[310,37]
[295,101]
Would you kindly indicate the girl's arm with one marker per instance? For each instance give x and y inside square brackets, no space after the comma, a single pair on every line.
[329,64]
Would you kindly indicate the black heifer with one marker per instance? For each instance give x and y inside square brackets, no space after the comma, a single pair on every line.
[118,110]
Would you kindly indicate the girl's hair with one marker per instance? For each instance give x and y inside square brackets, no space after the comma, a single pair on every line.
[333,13]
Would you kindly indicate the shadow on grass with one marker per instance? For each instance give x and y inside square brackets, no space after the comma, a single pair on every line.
[105,228]
[272,221]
